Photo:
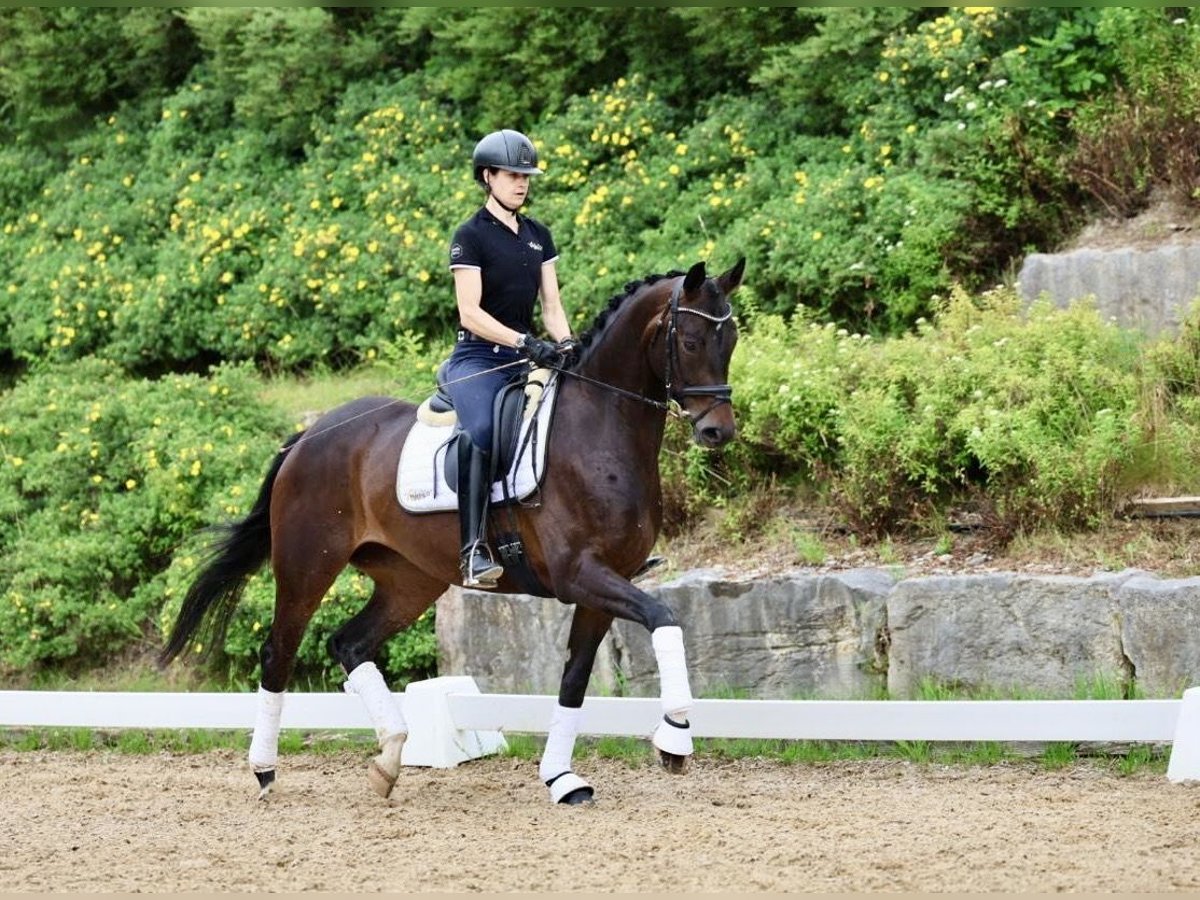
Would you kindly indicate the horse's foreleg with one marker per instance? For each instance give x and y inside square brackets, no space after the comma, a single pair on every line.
[588,627]
[599,587]
[673,736]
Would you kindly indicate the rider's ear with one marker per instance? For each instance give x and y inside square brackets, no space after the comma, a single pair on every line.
[729,281]
[695,277]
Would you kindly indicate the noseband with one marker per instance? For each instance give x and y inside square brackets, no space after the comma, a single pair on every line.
[721,393]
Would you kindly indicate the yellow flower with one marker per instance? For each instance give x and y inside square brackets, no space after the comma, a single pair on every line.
[884,76]
[130,484]
[817,235]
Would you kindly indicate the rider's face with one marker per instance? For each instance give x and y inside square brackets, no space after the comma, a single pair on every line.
[509,188]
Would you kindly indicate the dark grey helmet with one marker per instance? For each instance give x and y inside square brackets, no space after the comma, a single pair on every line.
[506,149]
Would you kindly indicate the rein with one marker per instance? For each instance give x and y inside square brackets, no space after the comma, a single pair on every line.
[306,435]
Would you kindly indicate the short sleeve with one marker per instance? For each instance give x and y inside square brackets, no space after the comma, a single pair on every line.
[549,251]
[464,249]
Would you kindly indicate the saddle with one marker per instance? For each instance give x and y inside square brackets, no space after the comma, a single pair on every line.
[514,405]
[427,476]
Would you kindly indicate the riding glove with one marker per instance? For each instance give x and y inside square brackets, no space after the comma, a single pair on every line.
[541,352]
[570,350]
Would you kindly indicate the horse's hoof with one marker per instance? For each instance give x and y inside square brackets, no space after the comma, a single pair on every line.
[569,788]
[381,782]
[673,762]
[266,780]
[579,797]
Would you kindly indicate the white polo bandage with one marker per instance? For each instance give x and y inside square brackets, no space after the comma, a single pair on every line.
[383,708]
[264,745]
[560,742]
[672,671]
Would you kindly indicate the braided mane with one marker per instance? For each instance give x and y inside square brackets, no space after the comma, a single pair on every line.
[589,339]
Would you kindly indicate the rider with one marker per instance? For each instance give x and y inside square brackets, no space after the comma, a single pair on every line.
[501,262]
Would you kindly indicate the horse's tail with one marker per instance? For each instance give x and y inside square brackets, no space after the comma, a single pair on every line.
[237,554]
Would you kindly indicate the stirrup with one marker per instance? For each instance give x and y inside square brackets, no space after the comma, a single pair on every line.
[478,569]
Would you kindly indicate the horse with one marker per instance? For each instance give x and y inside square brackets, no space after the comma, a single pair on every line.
[329,501]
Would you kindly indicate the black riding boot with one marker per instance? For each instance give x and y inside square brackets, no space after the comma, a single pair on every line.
[474,487]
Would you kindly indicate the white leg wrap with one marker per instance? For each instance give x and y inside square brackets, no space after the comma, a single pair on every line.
[367,681]
[264,746]
[560,743]
[672,738]
[672,671]
[565,784]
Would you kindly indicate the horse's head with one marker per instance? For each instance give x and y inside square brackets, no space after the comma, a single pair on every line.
[700,335]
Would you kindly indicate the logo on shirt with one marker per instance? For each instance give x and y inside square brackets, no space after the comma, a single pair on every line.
[456,251]
[535,245]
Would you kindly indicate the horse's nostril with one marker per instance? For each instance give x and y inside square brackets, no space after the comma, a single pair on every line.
[712,436]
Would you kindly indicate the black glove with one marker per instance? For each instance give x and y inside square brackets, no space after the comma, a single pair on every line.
[570,350]
[541,352]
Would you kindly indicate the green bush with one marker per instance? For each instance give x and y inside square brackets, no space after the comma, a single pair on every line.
[101,478]
[1039,415]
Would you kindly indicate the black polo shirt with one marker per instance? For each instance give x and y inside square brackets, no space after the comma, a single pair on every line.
[510,264]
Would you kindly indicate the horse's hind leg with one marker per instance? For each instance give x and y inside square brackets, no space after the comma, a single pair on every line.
[401,594]
[588,627]
[299,588]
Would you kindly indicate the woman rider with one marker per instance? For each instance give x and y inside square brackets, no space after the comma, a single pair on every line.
[501,261]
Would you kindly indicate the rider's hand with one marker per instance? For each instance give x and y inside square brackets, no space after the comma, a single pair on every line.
[541,352]
[569,348]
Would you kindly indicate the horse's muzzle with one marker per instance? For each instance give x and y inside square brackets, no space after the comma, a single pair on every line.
[715,428]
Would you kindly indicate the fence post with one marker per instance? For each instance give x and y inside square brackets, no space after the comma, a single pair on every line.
[1185,750]
[433,738]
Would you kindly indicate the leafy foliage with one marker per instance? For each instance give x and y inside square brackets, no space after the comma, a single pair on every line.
[183,190]
[101,478]
[1040,415]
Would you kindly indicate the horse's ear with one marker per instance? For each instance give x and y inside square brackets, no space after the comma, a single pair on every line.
[695,277]
[729,281]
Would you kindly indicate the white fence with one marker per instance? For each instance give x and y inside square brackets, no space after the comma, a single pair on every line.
[450,721]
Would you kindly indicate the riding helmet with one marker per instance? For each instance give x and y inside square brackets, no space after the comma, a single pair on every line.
[506,149]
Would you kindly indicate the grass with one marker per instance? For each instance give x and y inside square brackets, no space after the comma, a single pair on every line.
[633,752]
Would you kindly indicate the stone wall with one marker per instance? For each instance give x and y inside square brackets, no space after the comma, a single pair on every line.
[854,635]
[1146,289]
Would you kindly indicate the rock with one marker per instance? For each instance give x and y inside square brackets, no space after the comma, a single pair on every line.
[1146,289]
[850,634]
[1160,633]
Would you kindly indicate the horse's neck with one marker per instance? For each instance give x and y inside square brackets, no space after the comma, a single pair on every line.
[622,386]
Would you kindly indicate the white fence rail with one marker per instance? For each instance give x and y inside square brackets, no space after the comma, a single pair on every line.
[446,711]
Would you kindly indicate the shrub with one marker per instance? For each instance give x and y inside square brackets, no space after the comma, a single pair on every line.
[1039,413]
[101,478]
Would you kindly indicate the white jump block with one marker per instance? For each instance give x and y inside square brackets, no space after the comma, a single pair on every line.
[1185,750]
[433,738]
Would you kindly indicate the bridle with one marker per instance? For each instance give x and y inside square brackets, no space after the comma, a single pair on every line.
[721,393]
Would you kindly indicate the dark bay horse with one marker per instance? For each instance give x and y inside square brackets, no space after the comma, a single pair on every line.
[329,500]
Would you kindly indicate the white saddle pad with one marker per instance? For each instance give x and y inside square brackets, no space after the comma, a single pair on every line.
[421,477]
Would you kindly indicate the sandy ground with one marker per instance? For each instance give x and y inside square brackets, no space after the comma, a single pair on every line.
[100,821]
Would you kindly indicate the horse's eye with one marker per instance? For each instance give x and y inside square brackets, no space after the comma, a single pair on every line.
[690,345]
